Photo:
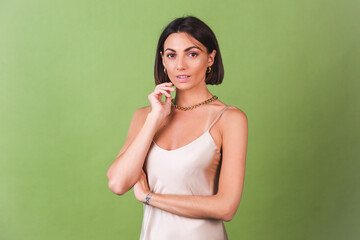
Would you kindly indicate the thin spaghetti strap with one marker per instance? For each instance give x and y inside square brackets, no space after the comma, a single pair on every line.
[217,117]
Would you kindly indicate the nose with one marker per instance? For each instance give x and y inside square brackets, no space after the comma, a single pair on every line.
[180,63]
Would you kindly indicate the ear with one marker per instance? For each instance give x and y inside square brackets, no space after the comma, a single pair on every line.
[211,58]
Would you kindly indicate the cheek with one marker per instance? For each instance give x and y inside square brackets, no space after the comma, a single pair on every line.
[200,66]
[170,64]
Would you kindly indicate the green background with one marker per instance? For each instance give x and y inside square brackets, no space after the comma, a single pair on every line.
[72,73]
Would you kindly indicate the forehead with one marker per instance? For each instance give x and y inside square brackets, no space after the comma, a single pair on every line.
[181,40]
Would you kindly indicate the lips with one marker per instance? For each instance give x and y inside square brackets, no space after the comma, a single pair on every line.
[183,77]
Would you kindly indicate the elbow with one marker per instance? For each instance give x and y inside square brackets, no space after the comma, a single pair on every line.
[114,186]
[227,218]
[228,214]
[117,188]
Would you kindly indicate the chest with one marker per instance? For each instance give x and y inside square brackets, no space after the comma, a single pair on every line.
[190,168]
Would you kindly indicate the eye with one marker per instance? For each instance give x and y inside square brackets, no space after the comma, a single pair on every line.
[193,54]
[170,55]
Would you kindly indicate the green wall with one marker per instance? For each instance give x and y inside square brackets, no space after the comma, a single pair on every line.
[72,73]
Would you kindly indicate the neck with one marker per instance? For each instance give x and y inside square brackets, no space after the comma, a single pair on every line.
[189,97]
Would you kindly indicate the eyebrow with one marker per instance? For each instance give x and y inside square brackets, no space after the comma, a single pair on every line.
[184,50]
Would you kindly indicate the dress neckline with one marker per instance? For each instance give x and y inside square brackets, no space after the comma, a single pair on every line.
[207,132]
[188,144]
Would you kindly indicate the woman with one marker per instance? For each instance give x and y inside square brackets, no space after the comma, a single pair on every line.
[185,157]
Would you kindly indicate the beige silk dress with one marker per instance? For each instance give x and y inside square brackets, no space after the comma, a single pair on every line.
[189,170]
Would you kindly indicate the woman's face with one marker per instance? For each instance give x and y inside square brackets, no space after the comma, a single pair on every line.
[186,60]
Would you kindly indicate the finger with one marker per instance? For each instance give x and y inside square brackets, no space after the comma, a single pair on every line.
[168,100]
[167,83]
[164,84]
[160,91]
[157,93]
[167,88]
[165,93]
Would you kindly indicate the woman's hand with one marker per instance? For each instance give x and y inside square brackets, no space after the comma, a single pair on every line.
[158,107]
[141,188]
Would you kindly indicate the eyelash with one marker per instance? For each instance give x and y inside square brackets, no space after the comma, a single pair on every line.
[195,54]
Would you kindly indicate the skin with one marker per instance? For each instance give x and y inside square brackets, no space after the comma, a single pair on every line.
[171,128]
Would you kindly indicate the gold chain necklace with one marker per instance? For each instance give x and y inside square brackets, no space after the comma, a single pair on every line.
[213,98]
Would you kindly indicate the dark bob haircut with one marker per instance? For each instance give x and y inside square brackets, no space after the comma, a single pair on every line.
[201,32]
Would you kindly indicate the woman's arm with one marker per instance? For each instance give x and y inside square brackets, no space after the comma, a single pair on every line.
[126,169]
[224,204]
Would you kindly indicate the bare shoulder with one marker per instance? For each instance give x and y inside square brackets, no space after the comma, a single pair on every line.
[142,112]
[138,120]
[233,117]
[136,124]
[234,113]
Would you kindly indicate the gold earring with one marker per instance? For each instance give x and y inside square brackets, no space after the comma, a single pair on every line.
[209,69]
[165,71]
